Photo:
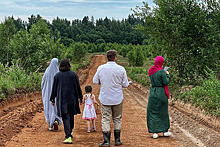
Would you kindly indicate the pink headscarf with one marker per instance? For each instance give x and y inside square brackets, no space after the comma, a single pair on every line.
[159,60]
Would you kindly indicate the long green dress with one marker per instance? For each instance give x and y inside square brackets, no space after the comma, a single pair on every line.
[157,108]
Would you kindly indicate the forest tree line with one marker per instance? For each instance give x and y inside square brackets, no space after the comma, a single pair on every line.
[36,41]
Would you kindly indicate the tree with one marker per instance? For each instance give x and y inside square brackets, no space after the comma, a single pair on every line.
[185,31]
[132,58]
[136,57]
[76,51]
[35,48]
[7,30]
[33,20]
[19,24]
[92,48]
[100,41]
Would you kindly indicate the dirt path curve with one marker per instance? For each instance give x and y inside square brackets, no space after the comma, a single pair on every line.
[134,129]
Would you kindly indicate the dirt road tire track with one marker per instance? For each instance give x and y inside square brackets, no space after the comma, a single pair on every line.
[186,131]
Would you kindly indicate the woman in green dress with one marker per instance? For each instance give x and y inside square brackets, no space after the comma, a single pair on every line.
[157,108]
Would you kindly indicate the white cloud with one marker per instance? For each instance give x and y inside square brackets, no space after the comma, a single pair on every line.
[80,1]
[70,9]
[95,1]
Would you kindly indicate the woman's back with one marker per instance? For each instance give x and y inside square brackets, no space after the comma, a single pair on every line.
[67,89]
[159,79]
[157,108]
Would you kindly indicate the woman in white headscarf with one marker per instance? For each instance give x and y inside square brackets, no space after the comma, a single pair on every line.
[50,112]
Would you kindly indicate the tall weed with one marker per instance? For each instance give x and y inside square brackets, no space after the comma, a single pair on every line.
[16,80]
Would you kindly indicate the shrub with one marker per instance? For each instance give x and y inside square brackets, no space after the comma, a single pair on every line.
[14,79]
[76,51]
[206,96]
[139,74]
[136,57]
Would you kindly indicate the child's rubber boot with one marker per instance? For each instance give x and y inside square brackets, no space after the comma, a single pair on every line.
[68,141]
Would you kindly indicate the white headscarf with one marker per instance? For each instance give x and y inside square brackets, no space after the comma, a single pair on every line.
[53,68]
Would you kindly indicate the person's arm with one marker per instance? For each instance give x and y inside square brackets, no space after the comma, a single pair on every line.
[84,98]
[79,91]
[94,100]
[54,91]
[165,77]
[125,82]
[96,79]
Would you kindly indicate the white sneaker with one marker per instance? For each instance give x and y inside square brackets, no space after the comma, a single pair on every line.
[167,134]
[50,129]
[155,136]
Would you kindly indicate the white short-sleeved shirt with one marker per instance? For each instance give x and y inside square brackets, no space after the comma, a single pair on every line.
[112,78]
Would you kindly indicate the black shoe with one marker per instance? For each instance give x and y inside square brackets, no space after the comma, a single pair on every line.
[117,137]
[106,137]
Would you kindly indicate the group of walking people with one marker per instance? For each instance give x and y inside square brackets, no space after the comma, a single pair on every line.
[62,95]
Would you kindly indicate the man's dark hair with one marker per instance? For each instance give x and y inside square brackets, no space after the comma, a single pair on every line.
[88,88]
[111,54]
[64,65]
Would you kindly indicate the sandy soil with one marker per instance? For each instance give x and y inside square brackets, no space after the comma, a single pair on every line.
[23,122]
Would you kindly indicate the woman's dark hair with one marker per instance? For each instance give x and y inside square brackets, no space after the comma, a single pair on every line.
[111,54]
[64,65]
[88,88]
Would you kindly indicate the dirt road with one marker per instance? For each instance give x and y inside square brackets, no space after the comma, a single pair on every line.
[23,123]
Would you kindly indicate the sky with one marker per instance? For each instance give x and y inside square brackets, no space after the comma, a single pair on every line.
[70,9]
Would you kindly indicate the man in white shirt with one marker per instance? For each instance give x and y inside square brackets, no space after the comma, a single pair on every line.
[112,78]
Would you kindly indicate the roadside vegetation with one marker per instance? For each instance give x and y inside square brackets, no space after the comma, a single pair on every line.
[15,79]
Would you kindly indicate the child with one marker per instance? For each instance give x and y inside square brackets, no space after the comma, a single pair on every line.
[89,110]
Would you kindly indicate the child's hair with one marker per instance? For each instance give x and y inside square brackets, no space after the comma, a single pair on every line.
[88,88]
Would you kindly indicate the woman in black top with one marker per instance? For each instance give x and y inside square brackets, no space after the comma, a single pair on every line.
[67,90]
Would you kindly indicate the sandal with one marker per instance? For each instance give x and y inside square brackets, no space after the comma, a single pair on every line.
[94,130]
[88,131]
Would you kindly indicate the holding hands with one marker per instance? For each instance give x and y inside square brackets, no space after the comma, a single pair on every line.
[80,102]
